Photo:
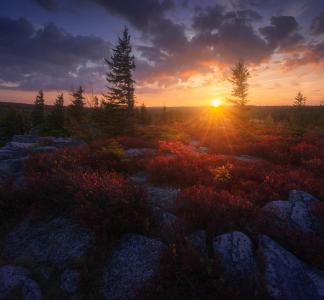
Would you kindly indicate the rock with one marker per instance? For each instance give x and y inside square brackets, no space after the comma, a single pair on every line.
[295,213]
[67,142]
[12,277]
[287,277]
[162,197]
[234,251]
[31,290]
[40,149]
[135,152]
[139,178]
[167,224]
[247,158]
[57,242]
[132,265]
[202,149]
[69,281]
[198,240]
[25,138]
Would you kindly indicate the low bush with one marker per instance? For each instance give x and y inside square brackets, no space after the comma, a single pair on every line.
[216,211]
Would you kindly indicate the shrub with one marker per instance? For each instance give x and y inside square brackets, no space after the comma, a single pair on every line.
[215,211]
[107,202]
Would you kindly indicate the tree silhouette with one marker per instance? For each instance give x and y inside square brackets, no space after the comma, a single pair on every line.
[77,105]
[38,110]
[300,100]
[120,77]
[239,80]
[56,117]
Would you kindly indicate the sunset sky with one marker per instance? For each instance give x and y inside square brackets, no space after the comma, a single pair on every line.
[184,48]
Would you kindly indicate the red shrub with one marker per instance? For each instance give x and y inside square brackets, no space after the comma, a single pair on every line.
[216,211]
[106,202]
[135,142]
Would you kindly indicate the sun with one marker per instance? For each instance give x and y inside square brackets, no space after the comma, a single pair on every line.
[216,102]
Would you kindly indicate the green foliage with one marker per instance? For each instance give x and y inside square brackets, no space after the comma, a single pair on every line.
[13,121]
[77,106]
[38,111]
[239,80]
[120,78]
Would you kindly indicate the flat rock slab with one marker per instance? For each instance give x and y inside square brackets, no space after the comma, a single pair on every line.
[133,264]
[236,256]
[287,277]
[57,242]
[13,277]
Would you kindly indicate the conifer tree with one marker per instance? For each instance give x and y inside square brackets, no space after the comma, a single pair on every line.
[120,77]
[78,103]
[57,114]
[38,110]
[300,100]
[143,116]
[239,80]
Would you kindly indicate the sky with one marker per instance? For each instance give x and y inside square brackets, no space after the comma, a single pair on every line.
[184,49]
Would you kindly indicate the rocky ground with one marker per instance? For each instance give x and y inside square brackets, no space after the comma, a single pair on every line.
[53,245]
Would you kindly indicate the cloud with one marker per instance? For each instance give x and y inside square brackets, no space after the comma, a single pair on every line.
[49,57]
[139,13]
[283,32]
[317,26]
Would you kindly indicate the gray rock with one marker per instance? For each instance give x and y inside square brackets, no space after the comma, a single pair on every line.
[57,241]
[61,142]
[295,213]
[234,251]
[140,177]
[247,158]
[31,290]
[135,152]
[287,277]
[198,240]
[41,149]
[12,277]
[133,264]
[69,281]
[167,224]
[162,197]
[25,138]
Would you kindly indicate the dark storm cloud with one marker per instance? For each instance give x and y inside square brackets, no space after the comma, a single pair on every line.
[283,32]
[47,4]
[211,17]
[317,26]
[44,57]
[138,13]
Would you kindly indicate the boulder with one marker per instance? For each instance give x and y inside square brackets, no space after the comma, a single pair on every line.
[57,242]
[25,138]
[133,264]
[167,225]
[162,197]
[198,240]
[234,250]
[135,152]
[296,213]
[40,149]
[286,277]
[69,281]
[13,277]
[139,178]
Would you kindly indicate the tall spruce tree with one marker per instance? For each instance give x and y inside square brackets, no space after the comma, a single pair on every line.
[239,80]
[78,103]
[120,77]
[56,117]
[38,110]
